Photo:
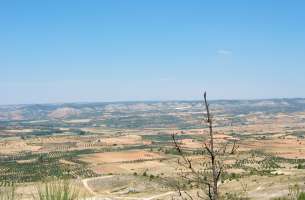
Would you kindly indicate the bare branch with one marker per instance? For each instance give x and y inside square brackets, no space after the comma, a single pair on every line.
[207,176]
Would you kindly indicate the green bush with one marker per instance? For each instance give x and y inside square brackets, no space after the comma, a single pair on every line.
[57,190]
[233,196]
[7,193]
[301,196]
[294,193]
[300,166]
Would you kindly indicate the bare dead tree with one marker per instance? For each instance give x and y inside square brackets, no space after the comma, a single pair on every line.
[206,177]
[234,147]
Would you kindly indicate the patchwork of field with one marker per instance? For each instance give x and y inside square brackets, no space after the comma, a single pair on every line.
[125,150]
[126,156]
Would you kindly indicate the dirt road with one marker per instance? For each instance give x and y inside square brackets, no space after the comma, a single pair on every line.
[96,196]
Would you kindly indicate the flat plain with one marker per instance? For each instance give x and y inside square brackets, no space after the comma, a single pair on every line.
[125,150]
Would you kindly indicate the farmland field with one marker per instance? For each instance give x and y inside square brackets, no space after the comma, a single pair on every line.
[125,150]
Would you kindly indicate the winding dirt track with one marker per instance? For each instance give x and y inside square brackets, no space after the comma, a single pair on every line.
[85,183]
[98,197]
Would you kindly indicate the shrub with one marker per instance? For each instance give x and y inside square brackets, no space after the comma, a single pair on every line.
[7,193]
[300,166]
[144,173]
[301,196]
[233,196]
[294,193]
[57,190]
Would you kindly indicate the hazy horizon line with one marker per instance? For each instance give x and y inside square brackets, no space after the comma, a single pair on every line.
[147,101]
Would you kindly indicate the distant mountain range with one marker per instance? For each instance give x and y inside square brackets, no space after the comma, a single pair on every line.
[93,110]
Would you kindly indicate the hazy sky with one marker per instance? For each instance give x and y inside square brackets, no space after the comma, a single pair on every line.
[98,50]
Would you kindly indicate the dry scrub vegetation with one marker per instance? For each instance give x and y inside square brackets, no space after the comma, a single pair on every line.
[127,150]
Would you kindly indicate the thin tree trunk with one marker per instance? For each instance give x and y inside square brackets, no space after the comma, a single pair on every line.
[211,151]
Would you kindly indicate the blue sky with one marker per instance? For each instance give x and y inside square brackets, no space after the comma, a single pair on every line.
[118,50]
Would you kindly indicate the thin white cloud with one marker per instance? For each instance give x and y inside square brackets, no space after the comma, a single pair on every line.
[224,52]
